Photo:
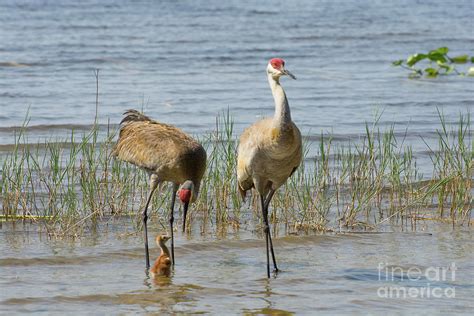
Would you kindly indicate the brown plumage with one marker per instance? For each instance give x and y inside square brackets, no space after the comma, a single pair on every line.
[269,151]
[161,149]
[167,154]
[267,156]
[162,265]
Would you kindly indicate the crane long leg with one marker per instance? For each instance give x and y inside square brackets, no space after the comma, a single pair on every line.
[266,204]
[153,184]
[266,229]
[173,198]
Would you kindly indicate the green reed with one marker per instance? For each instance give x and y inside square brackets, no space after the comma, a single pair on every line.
[454,160]
[219,197]
[70,185]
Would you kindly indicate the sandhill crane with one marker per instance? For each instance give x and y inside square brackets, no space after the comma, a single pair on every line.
[269,151]
[167,154]
[162,265]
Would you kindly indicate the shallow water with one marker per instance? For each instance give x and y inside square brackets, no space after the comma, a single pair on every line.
[329,274]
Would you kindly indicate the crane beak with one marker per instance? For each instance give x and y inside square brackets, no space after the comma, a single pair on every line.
[287,73]
[185,212]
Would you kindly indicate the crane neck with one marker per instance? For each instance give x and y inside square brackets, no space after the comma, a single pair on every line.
[197,185]
[164,249]
[282,115]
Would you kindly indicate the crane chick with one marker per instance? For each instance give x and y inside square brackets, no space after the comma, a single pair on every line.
[162,265]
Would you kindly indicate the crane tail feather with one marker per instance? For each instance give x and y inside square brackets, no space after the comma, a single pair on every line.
[243,188]
[293,171]
[243,193]
[134,116]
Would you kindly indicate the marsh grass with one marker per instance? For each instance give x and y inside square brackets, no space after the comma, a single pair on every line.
[70,185]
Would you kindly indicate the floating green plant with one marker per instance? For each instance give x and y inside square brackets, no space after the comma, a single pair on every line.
[436,62]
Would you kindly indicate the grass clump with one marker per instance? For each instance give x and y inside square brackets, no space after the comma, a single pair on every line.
[71,185]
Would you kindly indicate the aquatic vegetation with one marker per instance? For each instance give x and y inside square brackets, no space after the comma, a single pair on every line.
[439,63]
[70,185]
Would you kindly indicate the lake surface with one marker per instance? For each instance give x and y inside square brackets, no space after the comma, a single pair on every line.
[328,274]
[183,62]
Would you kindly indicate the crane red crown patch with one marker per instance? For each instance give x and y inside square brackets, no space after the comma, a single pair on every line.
[184,195]
[277,63]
